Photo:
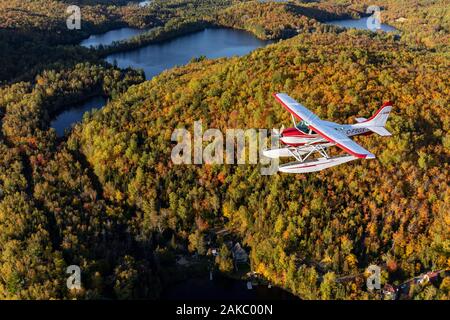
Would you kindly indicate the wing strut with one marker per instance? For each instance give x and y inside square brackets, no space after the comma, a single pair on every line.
[293,120]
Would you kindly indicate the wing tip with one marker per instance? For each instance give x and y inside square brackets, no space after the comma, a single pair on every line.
[387,104]
[276,94]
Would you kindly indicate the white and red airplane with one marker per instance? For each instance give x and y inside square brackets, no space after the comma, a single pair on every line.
[312,135]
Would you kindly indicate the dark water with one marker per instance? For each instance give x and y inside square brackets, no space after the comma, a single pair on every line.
[145,3]
[212,43]
[359,24]
[74,114]
[111,36]
[222,288]
[155,58]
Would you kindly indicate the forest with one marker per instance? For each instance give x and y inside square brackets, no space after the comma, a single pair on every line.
[107,197]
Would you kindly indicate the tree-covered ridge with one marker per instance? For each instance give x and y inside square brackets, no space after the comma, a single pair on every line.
[268,20]
[108,198]
[36,31]
[392,210]
[48,17]
[39,25]
[422,22]
[53,217]
[28,107]
[52,210]
[34,34]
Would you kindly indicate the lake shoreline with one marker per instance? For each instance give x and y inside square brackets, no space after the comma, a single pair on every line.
[193,282]
[155,58]
[162,36]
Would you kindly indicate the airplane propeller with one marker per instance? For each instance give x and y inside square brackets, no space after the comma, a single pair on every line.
[278,133]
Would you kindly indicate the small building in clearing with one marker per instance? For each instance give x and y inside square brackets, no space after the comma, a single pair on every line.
[239,254]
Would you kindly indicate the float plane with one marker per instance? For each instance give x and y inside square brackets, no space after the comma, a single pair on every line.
[312,135]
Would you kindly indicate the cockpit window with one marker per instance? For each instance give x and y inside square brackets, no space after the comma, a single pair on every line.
[304,128]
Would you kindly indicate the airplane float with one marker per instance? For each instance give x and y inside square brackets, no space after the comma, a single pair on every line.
[313,135]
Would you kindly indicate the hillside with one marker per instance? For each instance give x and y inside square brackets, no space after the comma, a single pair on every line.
[390,210]
[422,22]
[108,198]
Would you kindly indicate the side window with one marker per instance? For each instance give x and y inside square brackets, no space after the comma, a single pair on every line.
[302,127]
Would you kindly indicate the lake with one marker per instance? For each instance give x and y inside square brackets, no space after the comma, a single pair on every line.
[222,288]
[359,24]
[155,58]
[74,114]
[212,43]
[144,3]
[109,37]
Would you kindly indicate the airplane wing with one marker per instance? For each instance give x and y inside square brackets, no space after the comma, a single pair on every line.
[322,127]
[341,140]
[296,109]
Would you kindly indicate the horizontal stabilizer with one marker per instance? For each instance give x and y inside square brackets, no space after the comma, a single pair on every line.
[380,130]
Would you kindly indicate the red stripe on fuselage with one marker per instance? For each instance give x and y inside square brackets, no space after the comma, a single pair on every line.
[294,132]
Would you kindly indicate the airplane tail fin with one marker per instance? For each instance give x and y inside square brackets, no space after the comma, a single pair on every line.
[377,122]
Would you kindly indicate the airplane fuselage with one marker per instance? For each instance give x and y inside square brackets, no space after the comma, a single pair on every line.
[313,135]
[295,137]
